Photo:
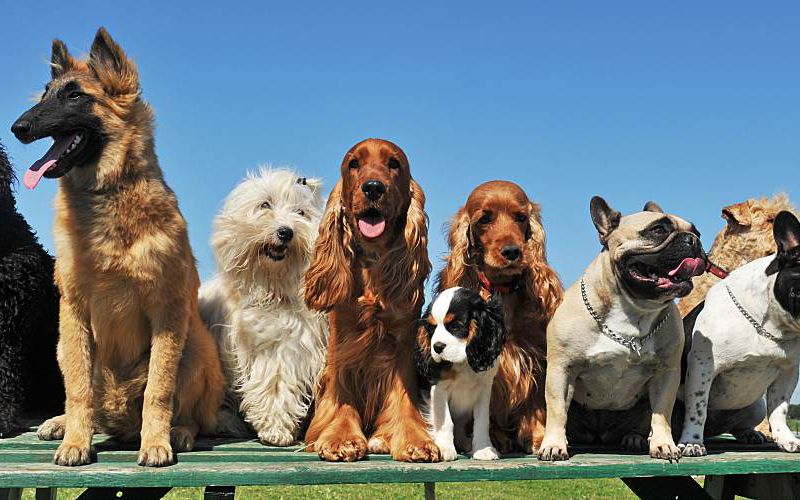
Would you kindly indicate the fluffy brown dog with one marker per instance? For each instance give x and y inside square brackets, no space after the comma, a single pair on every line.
[369,267]
[497,245]
[746,237]
[136,358]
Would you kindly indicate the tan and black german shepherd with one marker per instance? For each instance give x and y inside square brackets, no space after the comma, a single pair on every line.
[133,350]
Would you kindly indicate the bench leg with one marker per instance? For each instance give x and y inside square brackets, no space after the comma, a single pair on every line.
[10,493]
[117,493]
[430,491]
[46,493]
[753,486]
[666,488]
[219,493]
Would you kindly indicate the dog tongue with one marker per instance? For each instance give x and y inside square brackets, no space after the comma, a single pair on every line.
[689,267]
[46,162]
[371,230]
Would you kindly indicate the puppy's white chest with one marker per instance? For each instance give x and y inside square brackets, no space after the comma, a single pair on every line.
[465,388]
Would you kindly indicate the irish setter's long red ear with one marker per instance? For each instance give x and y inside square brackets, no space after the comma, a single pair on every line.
[329,278]
[544,285]
[456,262]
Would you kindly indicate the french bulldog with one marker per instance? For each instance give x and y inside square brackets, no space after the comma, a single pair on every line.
[614,344]
[745,342]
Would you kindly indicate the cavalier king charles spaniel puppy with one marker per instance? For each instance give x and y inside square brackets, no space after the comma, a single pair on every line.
[497,246]
[369,269]
[458,343]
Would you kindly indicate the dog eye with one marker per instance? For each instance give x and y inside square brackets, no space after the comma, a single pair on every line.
[394,164]
[520,217]
[353,164]
[485,218]
[266,205]
[74,95]
[658,230]
[301,213]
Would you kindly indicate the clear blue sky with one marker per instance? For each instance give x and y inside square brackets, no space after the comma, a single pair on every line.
[692,104]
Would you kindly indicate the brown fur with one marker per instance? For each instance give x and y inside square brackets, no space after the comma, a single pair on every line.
[747,236]
[136,358]
[374,292]
[518,414]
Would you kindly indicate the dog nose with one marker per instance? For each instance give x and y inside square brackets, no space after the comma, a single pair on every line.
[438,347]
[511,252]
[373,189]
[285,234]
[21,128]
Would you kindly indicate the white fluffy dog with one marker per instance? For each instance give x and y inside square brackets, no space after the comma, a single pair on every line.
[273,348]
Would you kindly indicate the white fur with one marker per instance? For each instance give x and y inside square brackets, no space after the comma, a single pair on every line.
[272,346]
[455,401]
[730,366]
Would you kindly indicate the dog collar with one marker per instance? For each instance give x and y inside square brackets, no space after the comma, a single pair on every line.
[633,343]
[759,328]
[716,270]
[492,287]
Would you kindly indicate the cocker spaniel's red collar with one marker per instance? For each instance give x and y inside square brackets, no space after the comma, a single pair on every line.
[494,287]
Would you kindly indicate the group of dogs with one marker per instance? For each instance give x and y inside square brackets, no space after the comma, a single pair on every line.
[313,328]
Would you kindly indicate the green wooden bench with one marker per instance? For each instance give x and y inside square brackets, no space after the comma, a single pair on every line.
[219,465]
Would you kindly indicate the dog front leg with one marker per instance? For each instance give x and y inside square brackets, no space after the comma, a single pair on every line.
[170,324]
[699,375]
[482,448]
[559,388]
[75,358]
[442,423]
[663,389]
[335,430]
[778,395]
[271,405]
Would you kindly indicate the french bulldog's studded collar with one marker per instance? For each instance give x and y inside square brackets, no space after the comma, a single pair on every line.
[756,325]
[633,343]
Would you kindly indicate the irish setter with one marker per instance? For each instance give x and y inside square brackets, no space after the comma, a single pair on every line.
[370,264]
[497,245]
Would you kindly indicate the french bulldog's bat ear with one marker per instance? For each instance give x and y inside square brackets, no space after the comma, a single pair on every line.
[652,206]
[786,230]
[605,218]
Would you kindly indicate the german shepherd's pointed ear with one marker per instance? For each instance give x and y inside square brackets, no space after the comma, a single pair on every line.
[60,60]
[111,66]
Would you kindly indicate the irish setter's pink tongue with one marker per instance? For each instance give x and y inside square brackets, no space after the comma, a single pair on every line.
[371,230]
[689,267]
[46,162]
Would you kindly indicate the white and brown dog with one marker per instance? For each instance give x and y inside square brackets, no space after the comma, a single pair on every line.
[272,346]
[745,342]
[458,342]
[614,344]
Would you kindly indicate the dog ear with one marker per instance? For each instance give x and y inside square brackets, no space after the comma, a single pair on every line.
[427,369]
[739,214]
[542,284]
[314,184]
[329,278]
[457,260]
[61,61]
[786,230]
[111,66]
[652,206]
[489,334]
[605,218]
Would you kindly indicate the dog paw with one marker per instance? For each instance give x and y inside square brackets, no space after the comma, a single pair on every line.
[665,451]
[51,430]
[156,455]
[692,449]
[378,446]
[553,452]
[71,455]
[181,439]
[488,453]
[447,451]
[342,450]
[750,436]
[424,451]
[790,444]
[275,437]
[634,442]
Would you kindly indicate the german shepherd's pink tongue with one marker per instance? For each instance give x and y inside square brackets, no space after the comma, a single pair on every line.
[46,162]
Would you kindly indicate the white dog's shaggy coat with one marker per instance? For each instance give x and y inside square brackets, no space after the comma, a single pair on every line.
[272,346]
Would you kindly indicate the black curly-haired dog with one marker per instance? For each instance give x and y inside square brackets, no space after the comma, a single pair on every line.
[29,376]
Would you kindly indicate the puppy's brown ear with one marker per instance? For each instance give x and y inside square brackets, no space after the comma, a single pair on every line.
[329,278]
[605,218]
[739,214]
[456,261]
[652,206]
[60,60]
[108,62]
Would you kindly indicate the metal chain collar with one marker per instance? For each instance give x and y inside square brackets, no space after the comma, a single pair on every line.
[758,327]
[633,343]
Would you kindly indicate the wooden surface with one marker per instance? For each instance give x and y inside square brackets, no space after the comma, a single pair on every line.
[27,462]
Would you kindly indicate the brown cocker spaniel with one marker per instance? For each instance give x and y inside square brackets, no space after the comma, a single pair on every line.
[497,246]
[370,264]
